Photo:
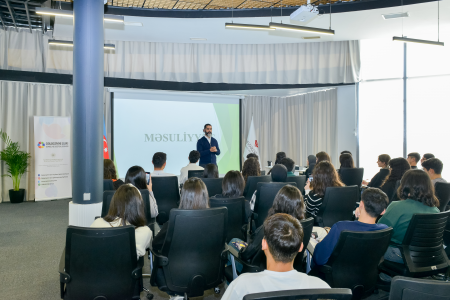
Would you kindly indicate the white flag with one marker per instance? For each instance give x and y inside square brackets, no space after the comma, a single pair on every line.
[252,143]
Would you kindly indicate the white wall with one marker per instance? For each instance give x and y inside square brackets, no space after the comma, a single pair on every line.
[346,120]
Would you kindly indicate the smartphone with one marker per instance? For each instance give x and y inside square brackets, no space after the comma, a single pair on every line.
[147,175]
[315,235]
[310,178]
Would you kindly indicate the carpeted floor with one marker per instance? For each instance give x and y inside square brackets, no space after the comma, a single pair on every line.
[32,237]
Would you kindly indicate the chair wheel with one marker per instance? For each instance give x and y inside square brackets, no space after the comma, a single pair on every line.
[149,296]
[217,290]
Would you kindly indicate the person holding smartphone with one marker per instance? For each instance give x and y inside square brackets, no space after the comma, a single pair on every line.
[138,177]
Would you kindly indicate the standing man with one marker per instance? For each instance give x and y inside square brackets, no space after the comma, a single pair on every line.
[208,147]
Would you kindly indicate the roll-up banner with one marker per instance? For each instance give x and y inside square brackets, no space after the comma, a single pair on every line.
[53,170]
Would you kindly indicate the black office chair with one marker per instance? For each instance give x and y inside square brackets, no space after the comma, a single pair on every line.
[213,185]
[300,181]
[236,215]
[194,173]
[442,191]
[306,294]
[258,262]
[351,176]
[405,288]
[265,194]
[354,261]
[263,173]
[250,186]
[421,248]
[107,197]
[193,255]
[100,263]
[167,195]
[338,205]
[394,194]
[108,185]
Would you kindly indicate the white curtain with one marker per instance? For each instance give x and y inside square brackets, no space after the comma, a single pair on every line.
[296,63]
[19,103]
[299,125]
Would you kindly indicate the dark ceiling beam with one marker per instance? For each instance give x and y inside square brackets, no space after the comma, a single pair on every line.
[12,15]
[28,16]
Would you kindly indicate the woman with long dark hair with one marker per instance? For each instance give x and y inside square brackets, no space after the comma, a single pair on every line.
[416,194]
[346,161]
[251,168]
[137,177]
[397,167]
[127,208]
[211,171]
[279,157]
[109,172]
[322,156]
[323,176]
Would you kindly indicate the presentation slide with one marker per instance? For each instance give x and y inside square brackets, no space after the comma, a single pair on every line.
[171,122]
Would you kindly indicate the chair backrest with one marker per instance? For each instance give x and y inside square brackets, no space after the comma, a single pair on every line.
[442,191]
[406,288]
[236,215]
[103,256]
[250,186]
[300,181]
[306,294]
[167,195]
[355,258]
[263,173]
[213,185]
[307,225]
[266,192]
[195,173]
[351,176]
[447,234]
[108,185]
[107,197]
[422,245]
[194,246]
[338,205]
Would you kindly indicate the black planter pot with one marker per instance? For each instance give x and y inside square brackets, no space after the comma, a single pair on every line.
[16,196]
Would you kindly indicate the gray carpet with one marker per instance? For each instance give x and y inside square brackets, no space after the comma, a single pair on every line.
[32,237]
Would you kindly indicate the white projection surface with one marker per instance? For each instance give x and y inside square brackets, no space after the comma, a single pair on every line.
[172,122]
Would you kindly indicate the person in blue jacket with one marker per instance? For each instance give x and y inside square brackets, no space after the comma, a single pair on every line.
[208,147]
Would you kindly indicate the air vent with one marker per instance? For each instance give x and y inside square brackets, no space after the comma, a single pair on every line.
[310,37]
[198,39]
[396,15]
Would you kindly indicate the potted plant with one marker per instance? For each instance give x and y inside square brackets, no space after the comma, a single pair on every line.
[17,162]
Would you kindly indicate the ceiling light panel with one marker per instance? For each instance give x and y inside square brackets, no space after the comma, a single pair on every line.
[395,15]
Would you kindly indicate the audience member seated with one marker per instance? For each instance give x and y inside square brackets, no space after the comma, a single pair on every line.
[251,168]
[283,236]
[279,173]
[233,187]
[416,192]
[413,159]
[127,208]
[252,155]
[137,177]
[289,200]
[373,204]
[311,163]
[109,172]
[346,152]
[194,195]
[322,156]
[290,165]
[397,167]
[194,157]
[426,156]
[280,156]
[377,180]
[346,161]
[433,167]
[211,171]
[159,164]
[323,176]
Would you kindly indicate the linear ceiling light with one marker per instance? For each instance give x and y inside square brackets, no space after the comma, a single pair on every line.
[70,44]
[69,14]
[395,15]
[407,40]
[301,28]
[248,26]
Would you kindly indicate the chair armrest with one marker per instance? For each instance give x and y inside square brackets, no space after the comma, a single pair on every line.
[160,260]
[64,277]
[235,253]
[137,273]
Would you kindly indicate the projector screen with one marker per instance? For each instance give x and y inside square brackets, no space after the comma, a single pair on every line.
[172,122]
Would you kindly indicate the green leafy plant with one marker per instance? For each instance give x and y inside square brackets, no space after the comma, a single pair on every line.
[16,160]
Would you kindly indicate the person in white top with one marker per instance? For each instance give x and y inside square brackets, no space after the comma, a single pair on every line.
[159,164]
[283,236]
[137,177]
[194,156]
[127,208]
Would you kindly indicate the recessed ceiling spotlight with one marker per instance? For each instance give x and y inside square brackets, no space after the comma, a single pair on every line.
[198,39]
[395,15]
[310,37]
